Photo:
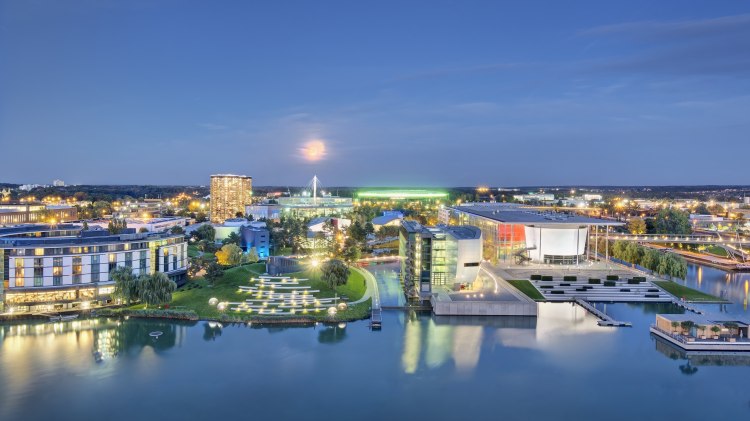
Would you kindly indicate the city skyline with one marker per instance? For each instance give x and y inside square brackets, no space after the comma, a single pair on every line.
[375,95]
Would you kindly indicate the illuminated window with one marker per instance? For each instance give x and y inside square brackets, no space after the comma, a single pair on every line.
[19,273]
[38,252]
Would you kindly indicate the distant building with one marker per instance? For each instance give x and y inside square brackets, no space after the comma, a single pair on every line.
[535,197]
[229,195]
[30,213]
[387,219]
[301,207]
[29,187]
[150,224]
[58,183]
[590,197]
[438,257]
[47,268]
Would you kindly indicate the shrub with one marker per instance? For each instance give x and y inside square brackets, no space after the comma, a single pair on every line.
[634,281]
[640,278]
[546,286]
[564,284]
[609,283]
[595,281]
[546,278]
[536,277]
[557,292]
[612,277]
[570,278]
[651,295]
[624,289]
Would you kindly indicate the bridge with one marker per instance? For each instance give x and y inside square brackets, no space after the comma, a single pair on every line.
[685,239]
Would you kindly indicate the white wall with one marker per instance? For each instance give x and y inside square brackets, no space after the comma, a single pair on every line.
[469,251]
[555,241]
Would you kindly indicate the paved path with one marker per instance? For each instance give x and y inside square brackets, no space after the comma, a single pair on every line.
[389,284]
[372,288]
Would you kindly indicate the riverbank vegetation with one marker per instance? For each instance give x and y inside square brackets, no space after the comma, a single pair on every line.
[662,263]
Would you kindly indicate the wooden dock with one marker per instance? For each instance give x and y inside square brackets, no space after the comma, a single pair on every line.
[604,319]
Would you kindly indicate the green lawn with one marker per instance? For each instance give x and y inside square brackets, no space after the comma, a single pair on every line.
[688,294]
[193,252]
[527,288]
[718,251]
[195,294]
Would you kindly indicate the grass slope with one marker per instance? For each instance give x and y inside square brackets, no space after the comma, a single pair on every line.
[527,288]
[689,294]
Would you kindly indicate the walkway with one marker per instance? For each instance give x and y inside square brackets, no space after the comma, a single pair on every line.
[389,284]
[372,288]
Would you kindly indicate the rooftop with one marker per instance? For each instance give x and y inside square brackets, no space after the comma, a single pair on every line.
[527,215]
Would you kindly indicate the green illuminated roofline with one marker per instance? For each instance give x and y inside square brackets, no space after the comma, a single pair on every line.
[402,194]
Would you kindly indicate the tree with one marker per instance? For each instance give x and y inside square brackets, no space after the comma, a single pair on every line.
[637,226]
[239,214]
[251,256]
[618,249]
[662,268]
[335,273]
[85,226]
[177,230]
[229,255]
[369,228]
[206,232]
[196,265]
[116,226]
[201,217]
[142,229]
[232,238]
[633,253]
[214,272]
[673,221]
[675,325]
[715,329]
[126,284]
[686,326]
[701,209]
[650,259]
[351,251]
[156,289]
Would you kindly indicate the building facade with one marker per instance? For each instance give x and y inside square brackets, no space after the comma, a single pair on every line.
[514,233]
[60,267]
[438,257]
[30,213]
[229,195]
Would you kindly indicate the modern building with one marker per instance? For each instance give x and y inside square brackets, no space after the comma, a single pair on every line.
[58,183]
[253,234]
[535,197]
[149,224]
[438,257]
[401,194]
[229,195]
[387,219]
[301,207]
[513,233]
[61,267]
[29,213]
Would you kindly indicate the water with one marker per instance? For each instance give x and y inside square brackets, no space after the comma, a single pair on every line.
[559,365]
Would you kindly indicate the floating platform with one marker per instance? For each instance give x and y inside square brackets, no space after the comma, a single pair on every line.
[703,344]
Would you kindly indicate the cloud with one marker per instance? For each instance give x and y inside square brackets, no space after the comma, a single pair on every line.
[703,47]
[720,26]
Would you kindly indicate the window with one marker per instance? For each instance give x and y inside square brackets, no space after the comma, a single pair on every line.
[19,273]
[112,261]
[143,261]
[77,268]
[39,271]
[129,259]
[38,252]
[57,271]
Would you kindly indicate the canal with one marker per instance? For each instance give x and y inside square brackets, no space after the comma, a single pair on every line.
[559,365]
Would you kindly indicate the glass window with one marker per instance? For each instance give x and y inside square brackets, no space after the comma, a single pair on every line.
[19,273]
[129,259]
[38,252]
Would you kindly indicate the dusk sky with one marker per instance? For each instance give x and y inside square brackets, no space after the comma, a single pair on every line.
[431,93]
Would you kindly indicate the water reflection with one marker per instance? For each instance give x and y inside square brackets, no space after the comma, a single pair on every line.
[731,286]
[332,334]
[693,359]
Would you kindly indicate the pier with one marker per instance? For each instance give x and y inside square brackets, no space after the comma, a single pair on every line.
[604,319]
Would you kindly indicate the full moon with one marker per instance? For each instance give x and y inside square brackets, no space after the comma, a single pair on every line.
[314,150]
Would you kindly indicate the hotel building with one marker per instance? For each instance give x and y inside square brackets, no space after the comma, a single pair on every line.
[438,257]
[229,195]
[60,267]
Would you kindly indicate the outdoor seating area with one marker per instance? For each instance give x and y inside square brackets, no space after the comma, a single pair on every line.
[703,332]
[283,295]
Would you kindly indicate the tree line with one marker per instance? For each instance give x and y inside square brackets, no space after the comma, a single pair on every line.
[663,263]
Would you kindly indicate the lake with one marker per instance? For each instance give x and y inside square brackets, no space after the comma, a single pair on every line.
[559,365]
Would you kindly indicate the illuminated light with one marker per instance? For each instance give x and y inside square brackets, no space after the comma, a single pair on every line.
[402,194]
[314,150]
[314,263]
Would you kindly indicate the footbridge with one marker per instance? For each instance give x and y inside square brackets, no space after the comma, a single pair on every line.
[685,239]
